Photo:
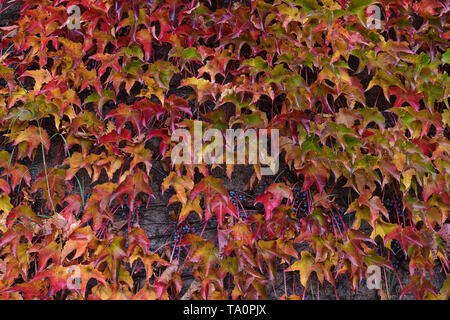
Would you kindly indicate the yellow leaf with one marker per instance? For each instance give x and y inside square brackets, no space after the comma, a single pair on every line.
[407,177]
[303,265]
[399,160]
[382,229]
[39,76]
[179,184]
[5,204]
[188,207]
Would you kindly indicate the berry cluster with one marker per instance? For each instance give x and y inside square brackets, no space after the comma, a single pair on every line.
[397,258]
[336,220]
[125,215]
[265,184]
[232,195]
[295,290]
[178,236]
[395,209]
[237,199]
[389,120]
[300,203]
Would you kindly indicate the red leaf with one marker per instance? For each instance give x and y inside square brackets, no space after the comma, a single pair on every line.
[133,185]
[272,197]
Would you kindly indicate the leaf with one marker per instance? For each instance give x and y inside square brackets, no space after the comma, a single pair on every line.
[208,186]
[347,117]
[308,5]
[96,207]
[195,286]
[162,72]
[314,173]
[86,274]
[445,233]
[52,185]
[115,137]
[257,65]
[148,259]
[22,212]
[385,81]
[5,204]
[133,68]
[203,88]
[163,134]
[58,277]
[356,6]
[446,56]
[382,229]
[137,237]
[216,198]
[304,265]
[272,197]
[31,290]
[4,186]
[203,251]
[177,108]
[140,155]
[406,237]
[191,54]
[419,287]
[79,240]
[40,76]
[188,207]
[45,253]
[133,51]
[180,184]
[8,74]
[170,275]
[445,290]
[29,139]
[139,114]
[78,162]
[100,99]
[375,206]
[132,186]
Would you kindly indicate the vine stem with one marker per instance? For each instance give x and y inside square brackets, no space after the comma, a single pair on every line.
[45,167]
[385,281]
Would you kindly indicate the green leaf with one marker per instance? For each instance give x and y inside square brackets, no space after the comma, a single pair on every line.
[133,66]
[432,92]
[252,119]
[366,162]
[279,73]
[308,5]
[446,56]
[382,229]
[133,51]
[191,54]
[355,6]
[94,97]
[358,7]
[258,63]
[351,141]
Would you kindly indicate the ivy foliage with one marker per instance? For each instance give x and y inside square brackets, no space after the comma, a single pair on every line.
[360,107]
